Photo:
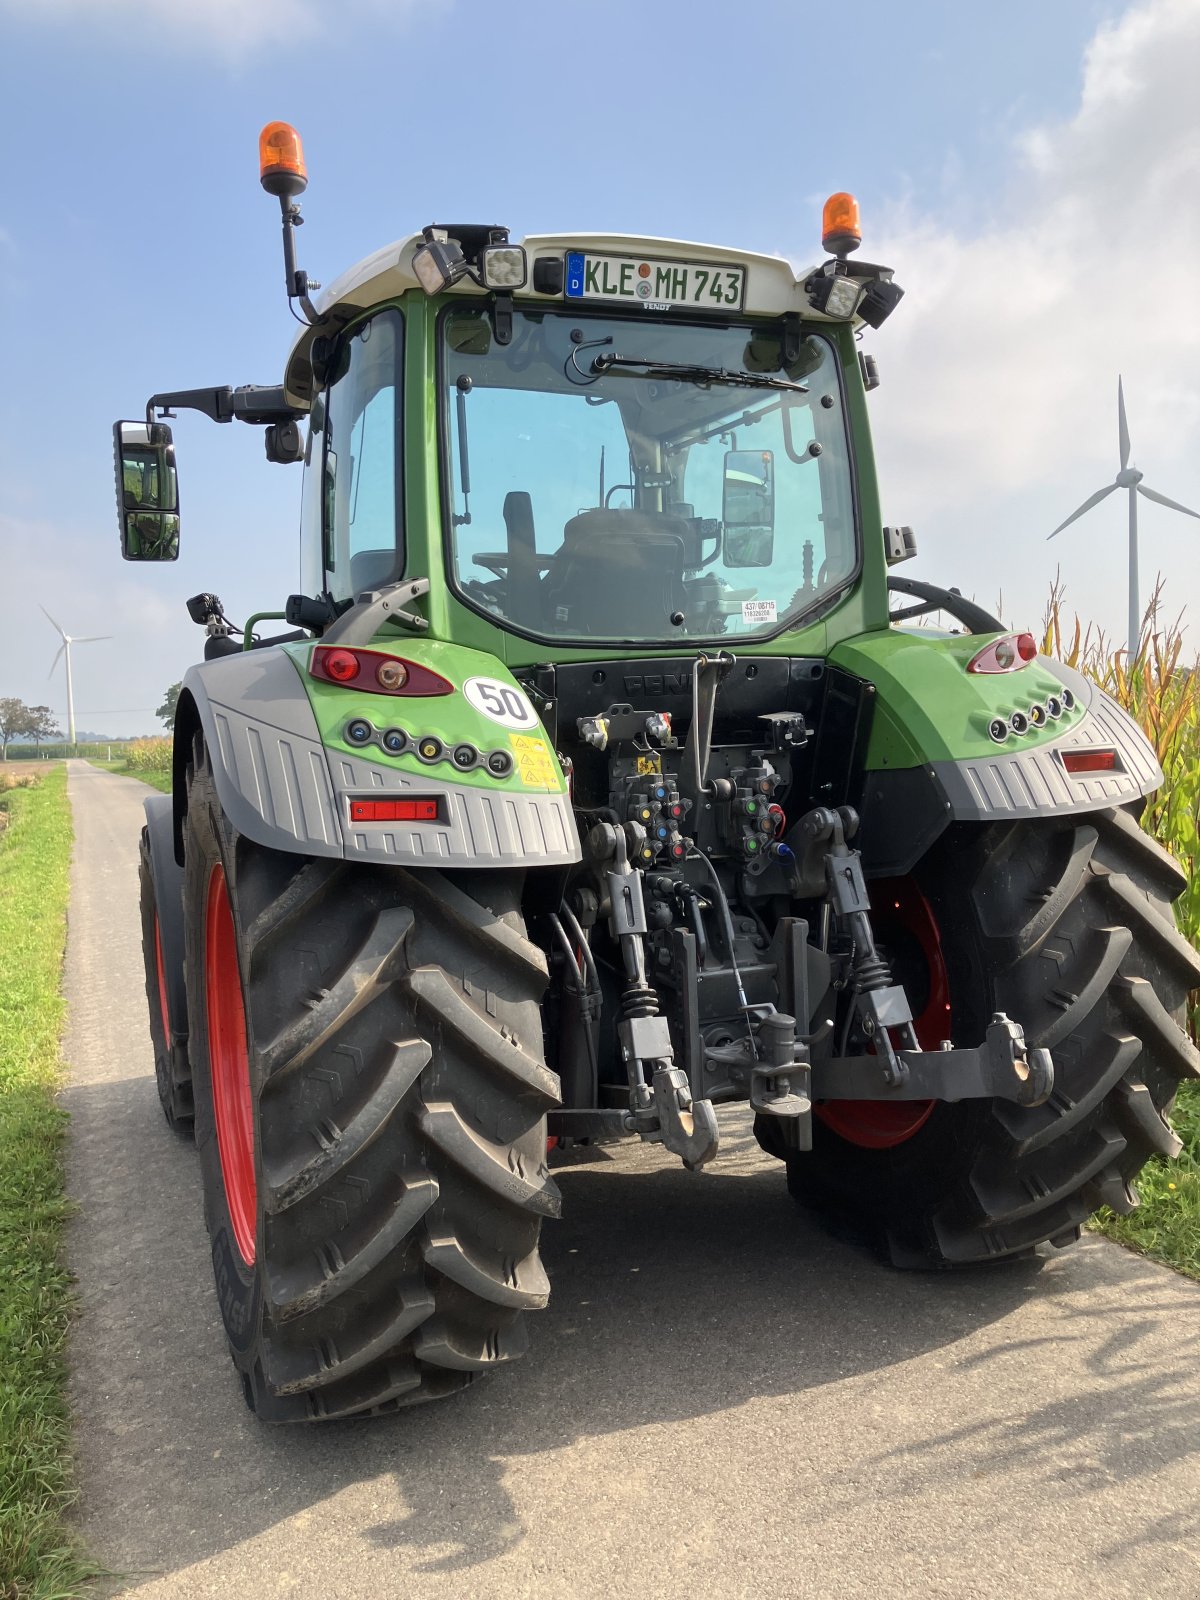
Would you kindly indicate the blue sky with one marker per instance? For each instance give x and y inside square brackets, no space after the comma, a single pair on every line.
[1032,170]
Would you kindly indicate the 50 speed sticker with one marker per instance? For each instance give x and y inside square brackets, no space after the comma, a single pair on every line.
[500,702]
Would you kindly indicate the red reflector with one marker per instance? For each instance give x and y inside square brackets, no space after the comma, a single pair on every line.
[1079,762]
[393,811]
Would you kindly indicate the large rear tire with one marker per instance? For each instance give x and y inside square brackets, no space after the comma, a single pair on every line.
[1066,925]
[371,1100]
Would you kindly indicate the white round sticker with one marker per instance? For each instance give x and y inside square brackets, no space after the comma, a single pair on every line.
[500,702]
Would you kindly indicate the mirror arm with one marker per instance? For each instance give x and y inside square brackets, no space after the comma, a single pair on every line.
[254,403]
[295,278]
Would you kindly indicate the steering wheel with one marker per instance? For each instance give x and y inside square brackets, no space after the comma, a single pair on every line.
[496,561]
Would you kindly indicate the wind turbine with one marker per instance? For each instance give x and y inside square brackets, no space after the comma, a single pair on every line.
[1128,478]
[65,647]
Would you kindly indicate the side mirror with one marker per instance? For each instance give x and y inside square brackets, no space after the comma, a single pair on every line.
[147,491]
[748,508]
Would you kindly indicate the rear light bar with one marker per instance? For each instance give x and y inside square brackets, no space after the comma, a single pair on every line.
[1082,763]
[1008,654]
[374,671]
[408,810]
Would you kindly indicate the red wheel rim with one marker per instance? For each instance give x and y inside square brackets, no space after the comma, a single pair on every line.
[229,1064]
[162,983]
[900,913]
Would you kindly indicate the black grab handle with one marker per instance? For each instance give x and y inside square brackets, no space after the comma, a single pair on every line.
[974,618]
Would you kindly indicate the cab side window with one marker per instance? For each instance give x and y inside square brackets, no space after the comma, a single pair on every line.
[363,479]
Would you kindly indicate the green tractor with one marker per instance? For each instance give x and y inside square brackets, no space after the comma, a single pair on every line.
[591,785]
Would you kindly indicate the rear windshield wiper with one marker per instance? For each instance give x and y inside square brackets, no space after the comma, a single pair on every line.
[693,374]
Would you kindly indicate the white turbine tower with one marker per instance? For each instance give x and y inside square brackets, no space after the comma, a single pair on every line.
[65,648]
[1128,478]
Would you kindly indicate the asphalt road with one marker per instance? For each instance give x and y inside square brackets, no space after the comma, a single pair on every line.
[720,1400]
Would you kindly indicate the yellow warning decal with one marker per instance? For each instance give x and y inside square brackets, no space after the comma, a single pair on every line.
[649,764]
[535,763]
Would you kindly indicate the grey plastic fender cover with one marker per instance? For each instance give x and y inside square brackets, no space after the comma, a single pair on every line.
[905,811]
[279,786]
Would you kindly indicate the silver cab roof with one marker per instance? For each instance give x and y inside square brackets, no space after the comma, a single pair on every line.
[773,287]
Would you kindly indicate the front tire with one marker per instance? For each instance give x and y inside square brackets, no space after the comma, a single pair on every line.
[172,1070]
[375,1213]
[1066,925]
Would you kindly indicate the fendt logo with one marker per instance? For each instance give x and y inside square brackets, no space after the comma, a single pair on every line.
[658,683]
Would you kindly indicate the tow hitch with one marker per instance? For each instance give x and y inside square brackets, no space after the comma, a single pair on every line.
[1003,1067]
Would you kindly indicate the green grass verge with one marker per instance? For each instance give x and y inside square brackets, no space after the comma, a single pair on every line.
[38,1560]
[156,780]
[1166,1225]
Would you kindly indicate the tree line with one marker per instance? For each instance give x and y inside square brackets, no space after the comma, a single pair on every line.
[19,721]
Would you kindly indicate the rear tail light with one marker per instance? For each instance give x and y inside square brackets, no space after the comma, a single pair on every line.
[1082,763]
[1013,651]
[374,671]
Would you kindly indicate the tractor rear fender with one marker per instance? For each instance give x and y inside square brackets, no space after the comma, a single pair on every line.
[282,785]
[168,906]
[933,757]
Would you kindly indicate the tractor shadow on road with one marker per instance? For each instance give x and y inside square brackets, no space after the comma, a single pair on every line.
[675,1296]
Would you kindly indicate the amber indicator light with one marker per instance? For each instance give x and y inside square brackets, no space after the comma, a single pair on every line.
[408,810]
[1081,762]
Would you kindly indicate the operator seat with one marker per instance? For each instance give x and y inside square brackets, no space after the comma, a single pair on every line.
[618,573]
[522,602]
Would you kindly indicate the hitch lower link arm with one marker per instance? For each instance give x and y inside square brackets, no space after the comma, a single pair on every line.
[661,1111]
[880,1003]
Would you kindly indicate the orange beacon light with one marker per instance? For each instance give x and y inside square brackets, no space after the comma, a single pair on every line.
[281,166]
[841,231]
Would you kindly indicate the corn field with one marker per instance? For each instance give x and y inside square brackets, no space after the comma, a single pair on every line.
[1162,692]
[148,755]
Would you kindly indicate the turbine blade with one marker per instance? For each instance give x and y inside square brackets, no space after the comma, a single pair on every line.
[1122,426]
[55,662]
[91,638]
[1092,500]
[49,618]
[1153,494]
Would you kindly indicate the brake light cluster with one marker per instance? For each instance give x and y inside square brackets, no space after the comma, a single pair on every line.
[374,671]
[1009,654]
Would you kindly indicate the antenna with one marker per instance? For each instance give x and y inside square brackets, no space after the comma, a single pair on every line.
[1131,479]
[64,649]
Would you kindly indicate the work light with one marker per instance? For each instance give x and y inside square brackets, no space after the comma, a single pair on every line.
[438,264]
[503,266]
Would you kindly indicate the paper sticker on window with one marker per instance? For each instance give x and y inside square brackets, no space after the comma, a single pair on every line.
[756,612]
[535,764]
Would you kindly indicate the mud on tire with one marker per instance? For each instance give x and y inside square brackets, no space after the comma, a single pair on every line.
[1067,926]
[399,1098]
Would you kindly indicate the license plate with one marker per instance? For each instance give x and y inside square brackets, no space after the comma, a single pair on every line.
[704,285]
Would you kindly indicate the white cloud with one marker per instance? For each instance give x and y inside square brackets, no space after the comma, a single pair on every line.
[998,412]
[231,29]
